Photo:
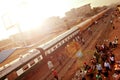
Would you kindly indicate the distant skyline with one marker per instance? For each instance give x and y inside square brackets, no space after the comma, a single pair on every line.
[30,13]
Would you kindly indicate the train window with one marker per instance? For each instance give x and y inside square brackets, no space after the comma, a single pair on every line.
[66,40]
[49,51]
[52,49]
[40,58]
[25,67]
[57,45]
[63,42]
[36,60]
[46,53]
[70,36]
[32,62]
[74,33]
[60,44]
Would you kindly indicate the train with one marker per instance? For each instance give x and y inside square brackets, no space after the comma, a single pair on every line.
[19,66]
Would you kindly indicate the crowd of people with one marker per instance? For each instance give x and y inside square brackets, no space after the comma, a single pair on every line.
[101,65]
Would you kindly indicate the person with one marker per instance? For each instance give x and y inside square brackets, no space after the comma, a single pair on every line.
[59,59]
[97,56]
[116,76]
[110,45]
[97,48]
[55,74]
[50,64]
[83,41]
[99,67]
[104,57]
[86,66]
[96,22]
[115,43]
[90,74]
[105,74]
[116,38]
[82,74]
[112,59]
[111,21]
[89,31]
[98,76]
[113,27]
[107,65]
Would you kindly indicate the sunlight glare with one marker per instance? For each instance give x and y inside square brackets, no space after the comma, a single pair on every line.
[30,14]
[34,12]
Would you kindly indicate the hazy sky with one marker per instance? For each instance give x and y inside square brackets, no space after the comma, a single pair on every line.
[31,13]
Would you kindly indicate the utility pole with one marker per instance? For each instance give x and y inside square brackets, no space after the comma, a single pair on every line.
[9,25]
[21,35]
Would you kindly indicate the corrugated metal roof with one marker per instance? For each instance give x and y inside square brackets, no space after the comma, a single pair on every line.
[5,54]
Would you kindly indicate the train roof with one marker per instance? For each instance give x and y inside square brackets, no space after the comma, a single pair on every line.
[58,38]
